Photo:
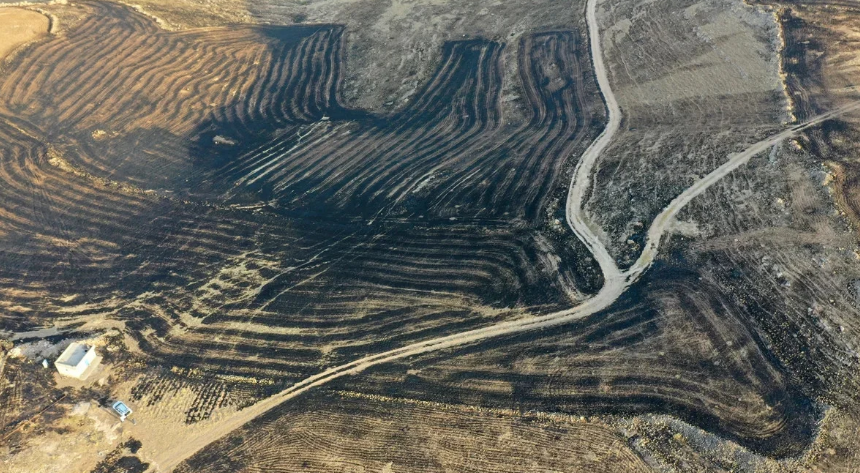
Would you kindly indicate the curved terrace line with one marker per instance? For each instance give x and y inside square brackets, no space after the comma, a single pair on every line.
[616,281]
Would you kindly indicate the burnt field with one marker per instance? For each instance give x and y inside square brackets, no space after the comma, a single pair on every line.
[208,190]
[337,431]
[217,198]
[821,41]
[675,344]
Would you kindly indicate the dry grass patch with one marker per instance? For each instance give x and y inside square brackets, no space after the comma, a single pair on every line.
[20,26]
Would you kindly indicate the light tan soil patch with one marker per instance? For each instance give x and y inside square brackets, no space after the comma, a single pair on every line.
[350,431]
[20,26]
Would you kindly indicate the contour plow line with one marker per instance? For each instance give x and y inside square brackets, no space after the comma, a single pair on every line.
[616,281]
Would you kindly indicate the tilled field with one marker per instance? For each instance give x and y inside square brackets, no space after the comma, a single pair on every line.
[210,192]
[349,432]
[677,343]
[207,189]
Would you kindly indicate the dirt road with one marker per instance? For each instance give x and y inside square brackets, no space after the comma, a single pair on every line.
[663,221]
[616,281]
[581,182]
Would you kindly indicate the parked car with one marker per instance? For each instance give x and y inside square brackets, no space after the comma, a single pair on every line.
[120,408]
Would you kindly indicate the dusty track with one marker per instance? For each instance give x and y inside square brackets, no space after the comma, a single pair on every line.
[279,289]
[615,286]
[616,281]
[581,181]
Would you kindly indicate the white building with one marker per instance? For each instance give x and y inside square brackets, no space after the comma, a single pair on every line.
[77,361]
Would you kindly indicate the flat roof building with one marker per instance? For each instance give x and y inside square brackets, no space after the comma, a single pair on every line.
[77,361]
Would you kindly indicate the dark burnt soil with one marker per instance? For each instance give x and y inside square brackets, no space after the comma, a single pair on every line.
[675,343]
[334,431]
[28,402]
[811,53]
[209,189]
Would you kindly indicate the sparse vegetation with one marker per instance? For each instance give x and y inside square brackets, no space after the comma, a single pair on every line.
[242,196]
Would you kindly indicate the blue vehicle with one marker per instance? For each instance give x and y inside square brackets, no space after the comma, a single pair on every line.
[120,408]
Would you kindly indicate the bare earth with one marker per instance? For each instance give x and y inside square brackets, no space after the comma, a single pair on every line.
[20,26]
[693,221]
[616,281]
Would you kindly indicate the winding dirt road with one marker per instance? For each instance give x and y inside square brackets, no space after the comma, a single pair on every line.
[616,281]
[581,181]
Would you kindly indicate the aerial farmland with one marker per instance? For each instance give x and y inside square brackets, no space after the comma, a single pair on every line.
[429,236]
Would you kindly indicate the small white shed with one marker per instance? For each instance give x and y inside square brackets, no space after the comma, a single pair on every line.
[76,361]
